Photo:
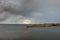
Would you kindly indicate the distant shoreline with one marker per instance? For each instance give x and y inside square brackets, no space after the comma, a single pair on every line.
[44,25]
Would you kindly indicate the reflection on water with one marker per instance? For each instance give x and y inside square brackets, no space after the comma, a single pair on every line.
[20,32]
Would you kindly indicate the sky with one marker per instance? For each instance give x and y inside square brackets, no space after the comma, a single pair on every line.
[34,11]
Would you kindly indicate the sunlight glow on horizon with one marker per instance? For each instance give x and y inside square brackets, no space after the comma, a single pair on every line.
[26,22]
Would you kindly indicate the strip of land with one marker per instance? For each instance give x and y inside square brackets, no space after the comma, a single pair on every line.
[44,25]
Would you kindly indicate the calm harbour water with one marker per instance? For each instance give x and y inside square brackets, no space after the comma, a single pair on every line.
[19,32]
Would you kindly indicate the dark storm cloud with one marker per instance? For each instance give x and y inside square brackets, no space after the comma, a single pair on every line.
[38,11]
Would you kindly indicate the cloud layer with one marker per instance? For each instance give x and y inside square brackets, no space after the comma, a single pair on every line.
[38,11]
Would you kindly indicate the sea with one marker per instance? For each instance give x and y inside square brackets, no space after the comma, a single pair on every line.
[20,32]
